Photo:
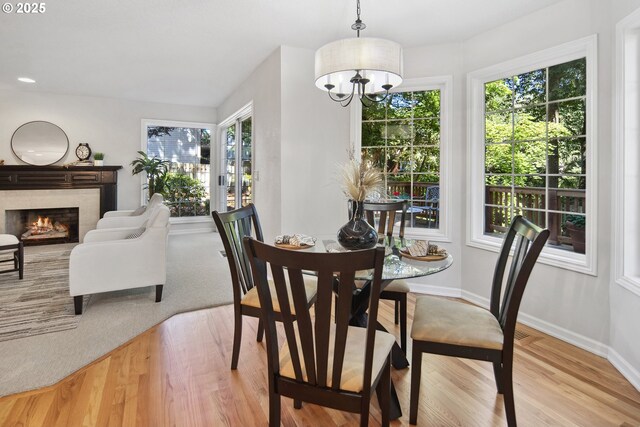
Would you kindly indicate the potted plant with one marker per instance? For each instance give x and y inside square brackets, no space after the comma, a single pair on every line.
[575,225]
[98,159]
[155,168]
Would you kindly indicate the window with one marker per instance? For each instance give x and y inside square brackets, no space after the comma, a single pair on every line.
[536,142]
[236,177]
[187,146]
[405,137]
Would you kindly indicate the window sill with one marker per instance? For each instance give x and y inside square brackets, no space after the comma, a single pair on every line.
[434,234]
[632,284]
[550,256]
[190,219]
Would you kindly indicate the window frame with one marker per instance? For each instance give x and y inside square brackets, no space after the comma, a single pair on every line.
[234,119]
[581,48]
[145,123]
[445,85]
[625,159]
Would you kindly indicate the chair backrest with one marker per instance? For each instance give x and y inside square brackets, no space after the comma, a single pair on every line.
[233,226]
[156,199]
[387,216]
[158,217]
[310,348]
[432,194]
[527,240]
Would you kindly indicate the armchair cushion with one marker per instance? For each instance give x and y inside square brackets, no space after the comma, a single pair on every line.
[139,211]
[136,233]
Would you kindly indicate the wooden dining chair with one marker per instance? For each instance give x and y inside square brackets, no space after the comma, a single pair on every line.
[386,215]
[455,328]
[233,226]
[322,362]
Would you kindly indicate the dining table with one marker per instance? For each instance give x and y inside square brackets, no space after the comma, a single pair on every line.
[398,264]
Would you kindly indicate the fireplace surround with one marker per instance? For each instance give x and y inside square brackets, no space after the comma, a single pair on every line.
[90,190]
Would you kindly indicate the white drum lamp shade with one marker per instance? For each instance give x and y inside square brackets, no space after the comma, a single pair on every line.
[377,60]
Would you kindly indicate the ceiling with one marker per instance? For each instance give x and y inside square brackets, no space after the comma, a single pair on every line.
[197,52]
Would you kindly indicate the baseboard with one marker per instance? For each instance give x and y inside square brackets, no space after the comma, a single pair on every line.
[585,343]
[629,372]
[444,291]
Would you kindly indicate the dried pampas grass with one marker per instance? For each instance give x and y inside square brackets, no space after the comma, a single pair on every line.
[359,179]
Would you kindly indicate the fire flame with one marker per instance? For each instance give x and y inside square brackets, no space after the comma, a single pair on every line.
[43,223]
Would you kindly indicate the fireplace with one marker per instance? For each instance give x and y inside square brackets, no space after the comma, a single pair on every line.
[42,226]
[93,190]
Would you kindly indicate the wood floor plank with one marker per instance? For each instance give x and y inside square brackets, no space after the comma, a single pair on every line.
[177,373]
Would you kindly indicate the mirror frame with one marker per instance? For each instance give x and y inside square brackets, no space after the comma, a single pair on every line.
[39,121]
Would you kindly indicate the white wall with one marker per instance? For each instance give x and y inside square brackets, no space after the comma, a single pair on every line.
[111,126]
[315,140]
[264,89]
[445,60]
[299,137]
[624,304]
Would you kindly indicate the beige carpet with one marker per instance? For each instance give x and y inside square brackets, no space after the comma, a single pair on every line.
[197,277]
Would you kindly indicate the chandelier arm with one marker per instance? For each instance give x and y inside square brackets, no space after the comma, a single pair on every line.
[375,98]
[343,99]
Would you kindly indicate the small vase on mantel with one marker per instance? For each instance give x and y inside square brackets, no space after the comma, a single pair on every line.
[357,233]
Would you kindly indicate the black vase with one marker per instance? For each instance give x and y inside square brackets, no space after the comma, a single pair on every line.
[357,233]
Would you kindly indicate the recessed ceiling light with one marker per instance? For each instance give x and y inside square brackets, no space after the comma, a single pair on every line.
[26,80]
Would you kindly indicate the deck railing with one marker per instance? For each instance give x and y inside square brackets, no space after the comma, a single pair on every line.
[532,203]
[529,202]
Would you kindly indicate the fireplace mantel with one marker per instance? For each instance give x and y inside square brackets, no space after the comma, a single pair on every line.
[25,177]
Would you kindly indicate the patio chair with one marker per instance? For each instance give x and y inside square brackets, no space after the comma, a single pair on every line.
[233,226]
[398,289]
[431,208]
[333,365]
[458,329]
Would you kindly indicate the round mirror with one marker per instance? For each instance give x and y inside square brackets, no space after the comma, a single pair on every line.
[39,143]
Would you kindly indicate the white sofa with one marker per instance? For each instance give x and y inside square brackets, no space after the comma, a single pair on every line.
[129,218]
[114,259]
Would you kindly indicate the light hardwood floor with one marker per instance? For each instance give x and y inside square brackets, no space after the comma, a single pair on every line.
[177,373]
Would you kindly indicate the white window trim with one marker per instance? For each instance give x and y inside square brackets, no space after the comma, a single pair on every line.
[445,85]
[585,47]
[143,147]
[625,164]
[242,113]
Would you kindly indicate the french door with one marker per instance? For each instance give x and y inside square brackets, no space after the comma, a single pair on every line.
[236,178]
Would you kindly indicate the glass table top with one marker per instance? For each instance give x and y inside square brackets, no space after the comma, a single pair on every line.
[395,266]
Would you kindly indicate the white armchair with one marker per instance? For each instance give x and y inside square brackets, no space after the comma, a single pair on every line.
[127,218]
[115,259]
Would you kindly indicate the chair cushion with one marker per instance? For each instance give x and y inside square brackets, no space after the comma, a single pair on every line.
[353,367]
[251,298]
[453,322]
[398,286]
[7,240]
